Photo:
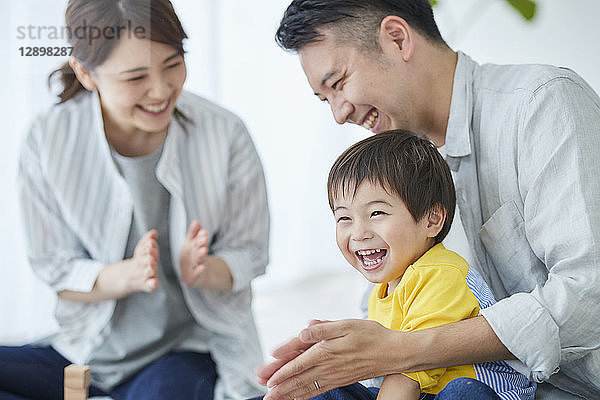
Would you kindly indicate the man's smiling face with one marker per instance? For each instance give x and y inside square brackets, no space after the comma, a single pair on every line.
[363,87]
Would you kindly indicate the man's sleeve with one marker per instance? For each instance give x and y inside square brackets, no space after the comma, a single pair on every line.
[559,142]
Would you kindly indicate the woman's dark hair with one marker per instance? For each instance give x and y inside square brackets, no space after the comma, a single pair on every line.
[93,28]
[354,20]
[403,163]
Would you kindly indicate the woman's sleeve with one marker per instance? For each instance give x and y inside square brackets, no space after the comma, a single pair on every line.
[243,239]
[434,296]
[54,251]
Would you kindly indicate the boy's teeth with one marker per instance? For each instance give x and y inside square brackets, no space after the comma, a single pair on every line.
[367,252]
[367,262]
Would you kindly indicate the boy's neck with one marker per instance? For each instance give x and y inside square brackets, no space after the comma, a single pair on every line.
[393,284]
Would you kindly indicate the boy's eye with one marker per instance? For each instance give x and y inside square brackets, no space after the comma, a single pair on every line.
[137,78]
[336,83]
[376,213]
[341,219]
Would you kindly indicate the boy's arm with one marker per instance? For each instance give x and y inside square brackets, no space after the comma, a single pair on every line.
[399,387]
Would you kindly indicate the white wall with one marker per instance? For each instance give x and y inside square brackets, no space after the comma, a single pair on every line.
[25,303]
[563,33]
[233,60]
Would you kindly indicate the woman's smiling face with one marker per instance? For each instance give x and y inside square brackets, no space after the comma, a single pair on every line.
[139,84]
[377,234]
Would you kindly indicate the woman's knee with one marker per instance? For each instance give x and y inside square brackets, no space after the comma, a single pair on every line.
[177,376]
[31,372]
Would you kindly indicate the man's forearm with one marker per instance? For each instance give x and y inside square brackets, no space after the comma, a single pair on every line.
[338,353]
[465,342]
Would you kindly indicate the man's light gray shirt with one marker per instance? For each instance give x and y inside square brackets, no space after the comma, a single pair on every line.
[523,142]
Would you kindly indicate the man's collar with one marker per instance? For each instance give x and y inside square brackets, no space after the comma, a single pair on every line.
[458,141]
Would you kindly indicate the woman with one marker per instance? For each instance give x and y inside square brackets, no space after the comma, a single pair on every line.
[145,210]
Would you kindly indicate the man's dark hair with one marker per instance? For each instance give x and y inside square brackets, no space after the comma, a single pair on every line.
[402,163]
[358,20]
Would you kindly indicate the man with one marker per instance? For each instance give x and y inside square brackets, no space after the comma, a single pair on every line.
[522,143]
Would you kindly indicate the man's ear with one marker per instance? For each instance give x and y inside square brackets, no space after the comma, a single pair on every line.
[396,35]
[83,75]
[435,220]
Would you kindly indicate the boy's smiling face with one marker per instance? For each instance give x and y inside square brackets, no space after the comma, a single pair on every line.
[377,234]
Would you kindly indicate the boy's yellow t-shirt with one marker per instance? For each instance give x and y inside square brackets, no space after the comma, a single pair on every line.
[432,292]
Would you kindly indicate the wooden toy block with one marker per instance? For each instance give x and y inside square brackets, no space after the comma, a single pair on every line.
[77,382]
[77,376]
[76,394]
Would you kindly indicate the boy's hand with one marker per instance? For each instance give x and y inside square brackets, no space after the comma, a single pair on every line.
[142,271]
[192,255]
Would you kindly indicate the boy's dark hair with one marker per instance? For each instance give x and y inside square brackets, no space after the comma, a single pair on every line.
[352,20]
[404,164]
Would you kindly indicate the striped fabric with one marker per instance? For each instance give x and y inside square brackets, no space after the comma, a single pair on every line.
[508,383]
[77,211]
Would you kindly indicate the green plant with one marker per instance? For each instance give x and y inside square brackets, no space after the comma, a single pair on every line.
[525,7]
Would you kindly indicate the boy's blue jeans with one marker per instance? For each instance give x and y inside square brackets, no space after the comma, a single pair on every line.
[31,373]
[458,389]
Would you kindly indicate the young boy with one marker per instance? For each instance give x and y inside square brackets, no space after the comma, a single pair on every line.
[393,200]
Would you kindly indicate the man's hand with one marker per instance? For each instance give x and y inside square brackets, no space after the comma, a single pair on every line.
[284,354]
[339,353]
[332,353]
